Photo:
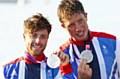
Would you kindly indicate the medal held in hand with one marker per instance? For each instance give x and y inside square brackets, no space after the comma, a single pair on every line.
[87,54]
[53,61]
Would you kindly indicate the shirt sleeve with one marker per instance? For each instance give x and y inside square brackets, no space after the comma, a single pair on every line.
[67,72]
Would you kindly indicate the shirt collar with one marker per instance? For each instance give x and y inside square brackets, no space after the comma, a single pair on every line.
[34,59]
[82,42]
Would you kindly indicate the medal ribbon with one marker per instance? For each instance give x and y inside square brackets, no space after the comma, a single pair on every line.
[34,59]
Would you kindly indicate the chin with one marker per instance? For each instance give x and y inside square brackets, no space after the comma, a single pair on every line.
[36,53]
[81,38]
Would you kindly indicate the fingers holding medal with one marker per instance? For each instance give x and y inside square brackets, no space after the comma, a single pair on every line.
[84,70]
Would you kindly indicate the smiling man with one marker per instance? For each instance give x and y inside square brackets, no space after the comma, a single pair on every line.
[33,65]
[99,61]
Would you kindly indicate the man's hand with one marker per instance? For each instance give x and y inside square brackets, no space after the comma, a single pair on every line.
[64,58]
[84,71]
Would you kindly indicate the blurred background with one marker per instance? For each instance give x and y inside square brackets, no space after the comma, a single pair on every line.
[103,15]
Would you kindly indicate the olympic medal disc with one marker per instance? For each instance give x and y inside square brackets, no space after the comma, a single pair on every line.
[87,55]
[53,61]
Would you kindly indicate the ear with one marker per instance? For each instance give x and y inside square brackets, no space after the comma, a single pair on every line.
[85,15]
[24,35]
[62,25]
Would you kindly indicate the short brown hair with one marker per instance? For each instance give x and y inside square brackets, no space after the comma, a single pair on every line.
[67,8]
[36,22]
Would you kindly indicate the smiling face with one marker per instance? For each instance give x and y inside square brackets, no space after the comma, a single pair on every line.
[36,32]
[77,26]
[36,42]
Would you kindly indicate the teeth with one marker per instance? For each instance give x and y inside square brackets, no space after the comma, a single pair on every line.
[80,33]
[36,46]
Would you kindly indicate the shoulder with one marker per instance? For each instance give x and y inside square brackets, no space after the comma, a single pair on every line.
[11,69]
[14,61]
[103,35]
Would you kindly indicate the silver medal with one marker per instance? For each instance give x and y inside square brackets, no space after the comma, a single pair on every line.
[87,55]
[53,61]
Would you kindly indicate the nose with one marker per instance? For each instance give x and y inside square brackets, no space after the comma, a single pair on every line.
[77,27]
[37,40]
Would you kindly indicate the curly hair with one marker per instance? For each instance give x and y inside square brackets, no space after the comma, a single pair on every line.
[36,22]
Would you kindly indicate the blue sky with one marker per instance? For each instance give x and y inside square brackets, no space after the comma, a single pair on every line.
[103,15]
